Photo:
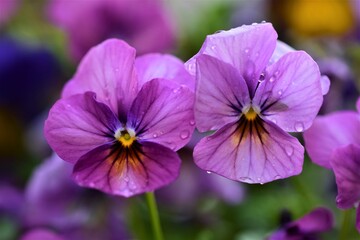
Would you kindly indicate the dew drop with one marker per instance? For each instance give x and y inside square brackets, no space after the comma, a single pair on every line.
[277,177]
[246,179]
[175,90]
[184,134]
[155,135]
[262,77]
[208,172]
[259,179]
[254,24]
[289,150]
[299,127]
[263,21]
[272,79]
[261,183]
[280,92]
[192,122]
[246,50]
[213,47]
[276,73]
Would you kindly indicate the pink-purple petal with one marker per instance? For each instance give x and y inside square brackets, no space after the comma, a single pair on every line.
[78,124]
[107,70]
[291,93]
[163,113]
[127,172]
[221,92]
[151,66]
[330,132]
[325,84]
[248,157]
[248,49]
[345,163]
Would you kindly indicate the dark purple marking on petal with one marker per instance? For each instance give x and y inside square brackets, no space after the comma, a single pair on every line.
[221,93]
[252,151]
[78,124]
[127,171]
[163,113]
[291,94]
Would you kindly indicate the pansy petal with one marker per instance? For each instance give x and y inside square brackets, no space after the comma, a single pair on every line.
[330,132]
[163,113]
[127,171]
[345,163]
[78,124]
[107,70]
[291,93]
[151,66]
[318,220]
[325,84]
[247,48]
[252,152]
[220,94]
[280,50]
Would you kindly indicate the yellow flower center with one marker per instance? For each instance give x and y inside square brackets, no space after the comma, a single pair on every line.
[125,137]
[250,114]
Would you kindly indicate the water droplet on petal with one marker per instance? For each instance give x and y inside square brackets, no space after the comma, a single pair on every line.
[262,77]
[155,135]
[192,122]
[277,177]
[246,50]
[299,127]
[259,179]
[175,90]
[213,47]
[184,134]
[289,150]
[276,73]
[263,21]
[261,183]
[254,24]
[280,92]
[272,79]
[208,172]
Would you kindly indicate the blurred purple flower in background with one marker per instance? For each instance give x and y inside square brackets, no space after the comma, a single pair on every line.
[7,9]
[54,201]
[27,75]
[252,89]
[143,24]
[121,120]
[317,221]
[333,142]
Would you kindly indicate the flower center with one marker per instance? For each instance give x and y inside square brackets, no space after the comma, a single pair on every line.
[125,136]
[250,114]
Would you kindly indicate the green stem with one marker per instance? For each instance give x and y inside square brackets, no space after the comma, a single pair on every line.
[344,230]
[154,214]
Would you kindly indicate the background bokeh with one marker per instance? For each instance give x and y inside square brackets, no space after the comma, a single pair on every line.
[41,44]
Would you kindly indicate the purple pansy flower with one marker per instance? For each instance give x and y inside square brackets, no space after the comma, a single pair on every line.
[333,141]
[121,120]
[252,90]
[138,22]
[55,202]
[307,227]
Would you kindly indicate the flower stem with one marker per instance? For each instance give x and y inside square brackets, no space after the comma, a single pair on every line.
[344,230]
[154,214]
